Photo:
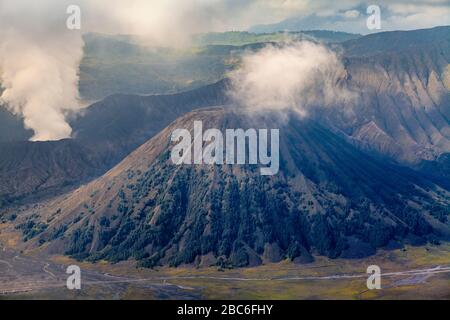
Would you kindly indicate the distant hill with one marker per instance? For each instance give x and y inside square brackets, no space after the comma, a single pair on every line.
[395,42]
[242,38]
[314,22]
[403,83]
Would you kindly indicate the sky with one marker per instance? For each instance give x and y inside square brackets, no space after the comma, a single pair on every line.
[40,56]
[143,16]
[351,16]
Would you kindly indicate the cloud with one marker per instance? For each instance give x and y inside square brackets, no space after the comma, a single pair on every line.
[351,14]
[295,76]
[415,15]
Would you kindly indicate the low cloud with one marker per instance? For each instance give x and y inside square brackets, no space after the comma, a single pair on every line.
[295,76]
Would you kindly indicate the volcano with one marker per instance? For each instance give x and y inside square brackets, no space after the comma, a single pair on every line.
[328,198]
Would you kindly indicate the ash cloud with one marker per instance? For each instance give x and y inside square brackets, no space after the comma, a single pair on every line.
[295,76]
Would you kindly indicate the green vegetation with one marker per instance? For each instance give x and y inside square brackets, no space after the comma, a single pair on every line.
[30,228]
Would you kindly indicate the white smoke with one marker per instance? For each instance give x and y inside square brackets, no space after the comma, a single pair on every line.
[295,76]
[39,59]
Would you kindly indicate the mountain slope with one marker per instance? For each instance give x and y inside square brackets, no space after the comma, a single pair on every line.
[44,168]
[329,198]
[402,84]
[397,41]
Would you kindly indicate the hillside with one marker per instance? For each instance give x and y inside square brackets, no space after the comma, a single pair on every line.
[329,198]
[32,169]
[403,83]
[398,41]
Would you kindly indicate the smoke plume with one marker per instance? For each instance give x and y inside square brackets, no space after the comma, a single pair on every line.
[39,59]
[295,76]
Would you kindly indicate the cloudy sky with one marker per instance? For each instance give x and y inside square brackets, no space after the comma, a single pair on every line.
[351,15]
[141,16]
